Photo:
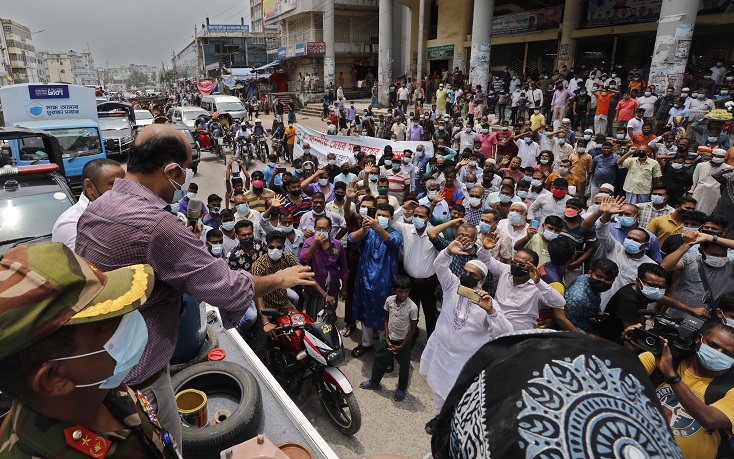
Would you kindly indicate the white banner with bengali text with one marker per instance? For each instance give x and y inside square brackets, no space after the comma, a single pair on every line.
[343,146]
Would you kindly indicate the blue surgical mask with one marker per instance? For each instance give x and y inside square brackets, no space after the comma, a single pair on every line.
[536,183]
[631,246]
[388,162]
[549,235]
[561,141]
[657,199]
[384,221]
[528,140]
[125,346]
[323,182]
[528,178]
[626,222]
[690,228]
[652,293]
[298,171]
[712,139]
[419,223]
[227,226]
[587,137]
[713,360]
[676,166]
[522,194]
[217,249]
[374,177]
[504,199]
[581,149]
[514,218]
[242,208]
[190,196]
[484,227]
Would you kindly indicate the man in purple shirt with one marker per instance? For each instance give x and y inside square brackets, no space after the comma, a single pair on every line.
[558,104]
[326,256]
[415,131]
[133,224]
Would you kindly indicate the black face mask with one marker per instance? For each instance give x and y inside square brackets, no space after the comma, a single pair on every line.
[598,285]
[519,271]
[339,197]
[296,193]
[467,280]
[247,241]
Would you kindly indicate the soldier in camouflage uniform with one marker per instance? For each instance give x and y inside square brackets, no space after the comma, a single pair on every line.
[69,334]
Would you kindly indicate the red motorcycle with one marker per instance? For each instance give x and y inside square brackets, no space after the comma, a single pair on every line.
[306,347]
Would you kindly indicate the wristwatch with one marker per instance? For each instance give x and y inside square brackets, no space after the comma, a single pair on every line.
[714,239]
[673,380]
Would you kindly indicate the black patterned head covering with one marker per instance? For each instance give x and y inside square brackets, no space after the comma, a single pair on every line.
[553,395]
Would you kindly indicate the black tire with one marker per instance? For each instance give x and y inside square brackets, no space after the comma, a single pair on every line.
[337,405]
[211,342]
[194,168]
[244,422]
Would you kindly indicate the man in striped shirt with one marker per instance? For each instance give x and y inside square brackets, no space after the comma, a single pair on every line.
[133,223]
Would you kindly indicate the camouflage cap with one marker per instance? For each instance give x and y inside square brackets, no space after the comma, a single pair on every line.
[46,286]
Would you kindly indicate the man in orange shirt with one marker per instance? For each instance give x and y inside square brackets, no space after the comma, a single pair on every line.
[581,166]
[645,137]
[603,98]
[625,110]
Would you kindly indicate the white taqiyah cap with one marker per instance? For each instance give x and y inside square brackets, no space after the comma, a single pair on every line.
[479,265]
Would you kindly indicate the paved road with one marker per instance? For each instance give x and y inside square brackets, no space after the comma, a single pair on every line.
[387,426]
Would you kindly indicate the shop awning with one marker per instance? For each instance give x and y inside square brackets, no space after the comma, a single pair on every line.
[267,66]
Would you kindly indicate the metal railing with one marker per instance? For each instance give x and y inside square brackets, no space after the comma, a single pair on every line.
[356,37]
[372,3]
[310,88]
[302,36]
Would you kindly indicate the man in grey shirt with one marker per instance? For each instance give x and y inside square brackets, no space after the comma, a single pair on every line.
[703,277]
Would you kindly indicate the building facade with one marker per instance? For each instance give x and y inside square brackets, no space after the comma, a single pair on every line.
[82,65]
[21,54]
[221,45]
[58,67]
[532,37]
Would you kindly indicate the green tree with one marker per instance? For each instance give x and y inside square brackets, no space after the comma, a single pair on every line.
[138,79]
[166,76]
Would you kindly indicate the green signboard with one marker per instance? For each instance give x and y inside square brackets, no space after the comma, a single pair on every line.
[437,53]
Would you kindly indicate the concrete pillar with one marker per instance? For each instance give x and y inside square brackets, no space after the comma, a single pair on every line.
[385,53]
[406,52]
[672,43]
[421,38]
[572,11]
[481,41]
[329,61]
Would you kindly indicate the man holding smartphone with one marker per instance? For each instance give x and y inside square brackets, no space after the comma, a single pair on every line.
[470,319]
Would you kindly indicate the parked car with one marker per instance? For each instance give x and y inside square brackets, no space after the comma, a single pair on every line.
[195,147]
[186,116]
[117,123]
[31,200]
[143,118]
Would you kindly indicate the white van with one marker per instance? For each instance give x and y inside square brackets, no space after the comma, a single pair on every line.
[229,104]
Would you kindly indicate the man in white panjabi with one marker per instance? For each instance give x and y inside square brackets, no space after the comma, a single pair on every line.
[462,328]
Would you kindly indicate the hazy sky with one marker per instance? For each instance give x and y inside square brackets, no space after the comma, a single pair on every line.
[121,32]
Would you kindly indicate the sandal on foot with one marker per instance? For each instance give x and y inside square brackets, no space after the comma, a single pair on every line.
[347,331]
[360,350]
[399,395]
[367,385]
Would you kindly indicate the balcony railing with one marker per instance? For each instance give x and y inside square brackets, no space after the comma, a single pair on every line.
[371,3]
[302,36]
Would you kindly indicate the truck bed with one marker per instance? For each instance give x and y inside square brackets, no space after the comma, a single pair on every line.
[282,420]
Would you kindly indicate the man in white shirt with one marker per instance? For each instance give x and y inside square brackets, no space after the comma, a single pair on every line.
[98,176]
[419,254]
[634,126]
[242,211]
[520,290]
[403,95]
[527,150]
[535,96]
[647,102]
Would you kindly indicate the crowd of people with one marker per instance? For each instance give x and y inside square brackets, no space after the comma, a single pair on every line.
[542,221]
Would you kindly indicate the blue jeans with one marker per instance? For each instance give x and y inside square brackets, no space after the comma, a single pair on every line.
[247,320]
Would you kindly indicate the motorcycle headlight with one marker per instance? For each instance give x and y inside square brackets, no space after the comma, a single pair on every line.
[335,357]
[298,320]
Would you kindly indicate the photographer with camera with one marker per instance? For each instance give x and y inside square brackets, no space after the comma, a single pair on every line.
[695,390]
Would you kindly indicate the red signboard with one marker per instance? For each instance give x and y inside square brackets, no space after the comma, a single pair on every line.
[315,47]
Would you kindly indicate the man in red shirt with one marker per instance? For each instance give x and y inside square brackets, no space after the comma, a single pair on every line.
[625,110]
[645,137]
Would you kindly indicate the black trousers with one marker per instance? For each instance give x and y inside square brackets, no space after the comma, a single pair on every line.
[423,294]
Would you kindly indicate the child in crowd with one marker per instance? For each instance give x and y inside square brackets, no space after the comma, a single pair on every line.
[401,322]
